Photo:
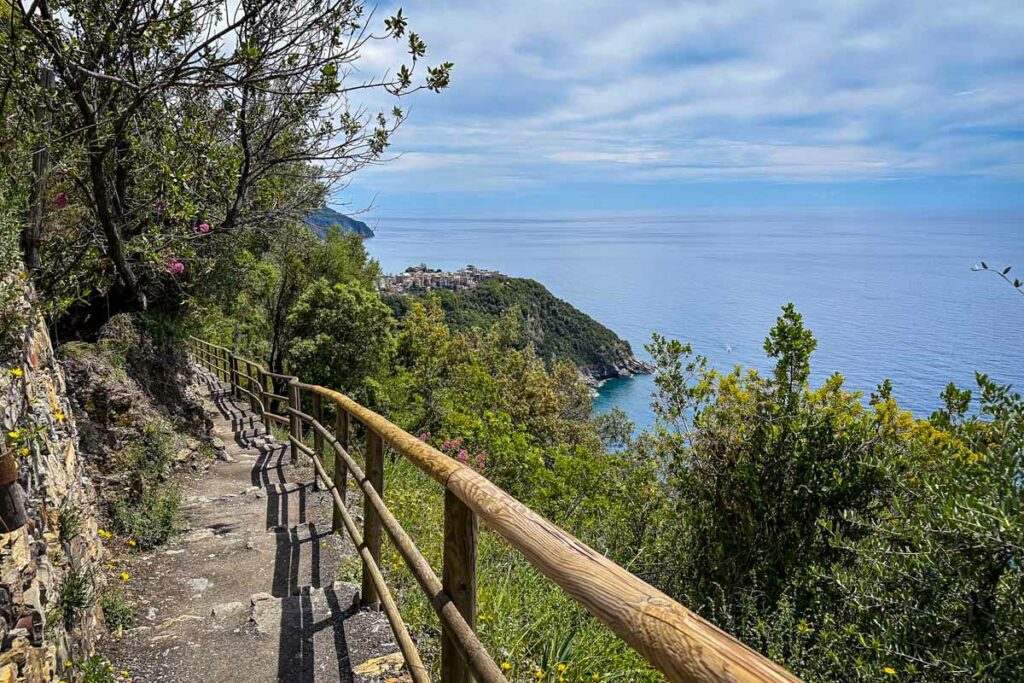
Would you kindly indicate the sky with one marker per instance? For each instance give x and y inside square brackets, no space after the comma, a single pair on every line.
[584,106]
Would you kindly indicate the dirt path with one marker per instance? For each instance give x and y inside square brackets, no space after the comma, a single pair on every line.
[249,593]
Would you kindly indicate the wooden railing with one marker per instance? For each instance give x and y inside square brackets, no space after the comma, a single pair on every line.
[673,639]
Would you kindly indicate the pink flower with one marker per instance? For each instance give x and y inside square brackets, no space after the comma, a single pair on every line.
[463,456]
[481,461]
[424,436]
[61,200]
[161,205]
[175,266]
[203,228]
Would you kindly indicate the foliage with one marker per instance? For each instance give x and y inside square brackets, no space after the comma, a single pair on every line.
[98,670]
[74,596]
[1004,273]
[848,542]
[117,610]
[342,336]
[183,127]
[151,518]
[558,330]
[69,523]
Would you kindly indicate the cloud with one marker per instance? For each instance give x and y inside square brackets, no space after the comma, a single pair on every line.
[547,93]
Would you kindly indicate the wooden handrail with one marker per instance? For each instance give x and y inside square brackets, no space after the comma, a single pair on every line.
[677,642]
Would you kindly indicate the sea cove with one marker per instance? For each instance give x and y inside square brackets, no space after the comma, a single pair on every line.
[888,295]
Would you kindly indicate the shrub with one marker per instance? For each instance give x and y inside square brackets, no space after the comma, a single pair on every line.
[117,609]
[151,519]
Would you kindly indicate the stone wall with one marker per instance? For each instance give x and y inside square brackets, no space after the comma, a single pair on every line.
[50,566]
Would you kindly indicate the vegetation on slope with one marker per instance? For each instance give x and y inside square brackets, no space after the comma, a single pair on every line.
[558,330]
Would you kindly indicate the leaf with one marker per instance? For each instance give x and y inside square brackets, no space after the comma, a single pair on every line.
[984,265]
[1006,270]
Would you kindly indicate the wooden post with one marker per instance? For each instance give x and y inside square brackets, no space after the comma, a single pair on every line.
[340,476]
[32,233]
[251,383]
[459,581]
[294,422]
[233,375]
[262,379]
[318,439]
[371,520]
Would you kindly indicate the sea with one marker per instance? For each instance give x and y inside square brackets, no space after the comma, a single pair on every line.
[887,295]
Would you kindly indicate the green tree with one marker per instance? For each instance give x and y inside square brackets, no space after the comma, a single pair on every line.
[181,127]
[342,337]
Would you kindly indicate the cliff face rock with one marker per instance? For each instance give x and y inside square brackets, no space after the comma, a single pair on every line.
[126,393]
[41,561]
[620,364]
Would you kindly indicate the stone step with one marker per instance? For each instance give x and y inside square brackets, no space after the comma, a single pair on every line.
[324,636]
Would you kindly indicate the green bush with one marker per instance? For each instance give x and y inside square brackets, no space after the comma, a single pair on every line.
[150,519]
[98,670]
[117,610]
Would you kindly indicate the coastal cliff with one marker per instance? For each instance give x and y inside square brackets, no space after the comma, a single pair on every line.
[557,329]
[324,218]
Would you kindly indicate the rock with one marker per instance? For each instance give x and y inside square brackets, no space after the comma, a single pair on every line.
[199,585]
[266,613]
[226,610]
[378,666]
[168,623]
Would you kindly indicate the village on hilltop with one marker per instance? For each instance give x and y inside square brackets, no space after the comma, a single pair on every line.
[422,279]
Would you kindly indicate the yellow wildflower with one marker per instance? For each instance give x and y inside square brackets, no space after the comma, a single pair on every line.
[104,533]
[125,576]
[14,434]
[59,415]
[124,672]
[131,542]
[538,674]
[68,665]
[562,668]
[595,677]
[16,372]
[889,671]
[24,451]
[505,666]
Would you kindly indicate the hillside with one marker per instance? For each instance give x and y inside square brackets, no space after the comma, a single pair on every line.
[558,330]
[325,217]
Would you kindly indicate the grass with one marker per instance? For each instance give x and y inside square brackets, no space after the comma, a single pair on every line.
[528,624]
[69,523]
[74,596]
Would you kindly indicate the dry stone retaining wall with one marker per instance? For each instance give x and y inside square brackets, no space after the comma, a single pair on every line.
[40,632]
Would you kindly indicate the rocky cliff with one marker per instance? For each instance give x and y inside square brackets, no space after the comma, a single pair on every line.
[49,557]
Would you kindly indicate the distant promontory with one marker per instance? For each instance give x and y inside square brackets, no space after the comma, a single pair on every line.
[325,217]
[474,297]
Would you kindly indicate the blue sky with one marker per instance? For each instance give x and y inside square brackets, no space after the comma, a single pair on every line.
[584,106]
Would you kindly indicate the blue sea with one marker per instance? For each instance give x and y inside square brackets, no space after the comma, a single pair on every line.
[888,295]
